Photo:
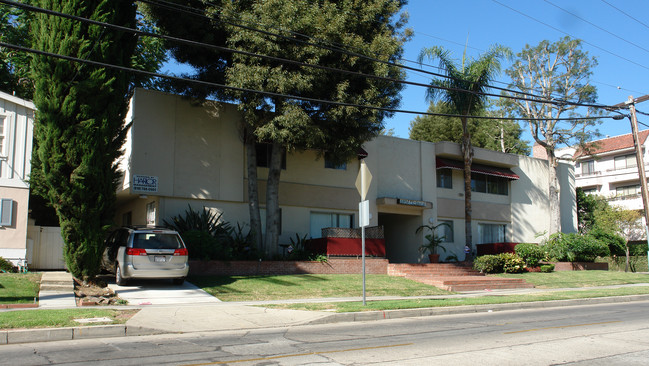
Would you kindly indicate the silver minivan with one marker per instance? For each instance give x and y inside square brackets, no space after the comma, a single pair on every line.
[144,252]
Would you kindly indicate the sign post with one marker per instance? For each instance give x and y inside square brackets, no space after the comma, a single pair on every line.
[362,184]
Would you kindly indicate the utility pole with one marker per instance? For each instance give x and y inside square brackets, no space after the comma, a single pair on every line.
[630,103]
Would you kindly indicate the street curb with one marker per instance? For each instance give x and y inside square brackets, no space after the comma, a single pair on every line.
[70,333]
[123,330]
[468,309]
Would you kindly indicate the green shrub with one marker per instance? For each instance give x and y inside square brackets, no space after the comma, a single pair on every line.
[531,253]
[555,248]
[574,248]
[6,266]
[547,268]
[587,248]
[203,246]
[242,244]
[616,244]
[489,264]
[512,263]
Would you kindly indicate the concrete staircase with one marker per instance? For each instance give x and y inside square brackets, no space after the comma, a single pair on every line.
[57,290]
[455,277]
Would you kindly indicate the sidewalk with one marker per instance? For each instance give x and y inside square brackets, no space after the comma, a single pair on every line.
[217,316]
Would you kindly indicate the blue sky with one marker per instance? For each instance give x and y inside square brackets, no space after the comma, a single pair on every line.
[617,41]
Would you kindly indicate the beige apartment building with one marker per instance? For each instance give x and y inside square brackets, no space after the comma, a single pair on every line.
[179,153]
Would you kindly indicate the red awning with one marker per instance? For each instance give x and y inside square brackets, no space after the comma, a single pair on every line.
[477,168]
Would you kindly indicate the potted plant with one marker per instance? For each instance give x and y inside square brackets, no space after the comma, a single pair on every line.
[434,241]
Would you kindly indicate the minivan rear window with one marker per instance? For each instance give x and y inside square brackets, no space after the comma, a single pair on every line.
[156,241]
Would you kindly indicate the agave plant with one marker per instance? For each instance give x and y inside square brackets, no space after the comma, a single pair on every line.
[205,221]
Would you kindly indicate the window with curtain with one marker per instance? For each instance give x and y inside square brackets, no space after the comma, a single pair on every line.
[588,167]
[625,161]
[491,233]
[445,231]
[445,178]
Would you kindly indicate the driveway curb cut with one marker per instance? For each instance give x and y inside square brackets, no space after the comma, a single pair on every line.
[123,330]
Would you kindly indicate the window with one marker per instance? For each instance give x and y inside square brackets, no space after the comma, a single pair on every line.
[489,184]
[588,167]
[590,191]
[321,220]
[263,155]
[627,191]
[6,211]
[626,161]
[445,231]
[445,178]
[150,213]
[329,164]
[491,233]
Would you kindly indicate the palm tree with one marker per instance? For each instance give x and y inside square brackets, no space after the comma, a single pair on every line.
[463,90]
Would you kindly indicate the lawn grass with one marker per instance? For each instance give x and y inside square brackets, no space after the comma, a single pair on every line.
[55,318]
[19,288]
[575,279]
[357,306]
[250,288]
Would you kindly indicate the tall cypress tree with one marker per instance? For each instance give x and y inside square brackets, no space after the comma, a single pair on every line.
[80,121]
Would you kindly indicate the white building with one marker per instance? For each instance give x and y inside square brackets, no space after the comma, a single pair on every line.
[178,153]
[16,129]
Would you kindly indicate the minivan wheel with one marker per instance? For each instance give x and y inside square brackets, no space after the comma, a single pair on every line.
[178,281]
[119,280]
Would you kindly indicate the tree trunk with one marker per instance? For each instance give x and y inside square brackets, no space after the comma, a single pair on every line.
[272,198]
[626,252]
[553,192]
[253,192]
[502,138]
[467,152]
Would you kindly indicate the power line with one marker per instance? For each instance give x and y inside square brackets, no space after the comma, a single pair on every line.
[536,99]
[628,15]
[597,26]
[338,48]
[272,94]
[559,30]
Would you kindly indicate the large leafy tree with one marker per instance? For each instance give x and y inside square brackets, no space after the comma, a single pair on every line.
[463,92]
[558,72]
[15,75]
[80,128]
[14,65]
[310,32]
[492,134]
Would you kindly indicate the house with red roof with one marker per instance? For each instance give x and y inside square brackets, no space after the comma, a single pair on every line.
[608,167]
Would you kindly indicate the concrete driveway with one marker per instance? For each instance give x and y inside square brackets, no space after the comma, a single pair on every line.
[161,292]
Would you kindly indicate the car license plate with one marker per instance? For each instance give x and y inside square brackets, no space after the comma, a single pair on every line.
[159,258]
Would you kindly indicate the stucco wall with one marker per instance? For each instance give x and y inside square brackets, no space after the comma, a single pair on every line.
[15,236]
[567,198]
[530,208]
[15,167]
[194,150]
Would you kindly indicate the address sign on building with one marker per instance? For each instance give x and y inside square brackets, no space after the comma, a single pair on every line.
[145,183]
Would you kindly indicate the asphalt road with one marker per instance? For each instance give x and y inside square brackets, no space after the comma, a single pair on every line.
[612,334]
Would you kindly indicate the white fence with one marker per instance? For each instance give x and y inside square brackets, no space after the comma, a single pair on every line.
[45,248]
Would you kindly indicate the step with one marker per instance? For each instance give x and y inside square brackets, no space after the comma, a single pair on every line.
[53,287]
[472,283]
